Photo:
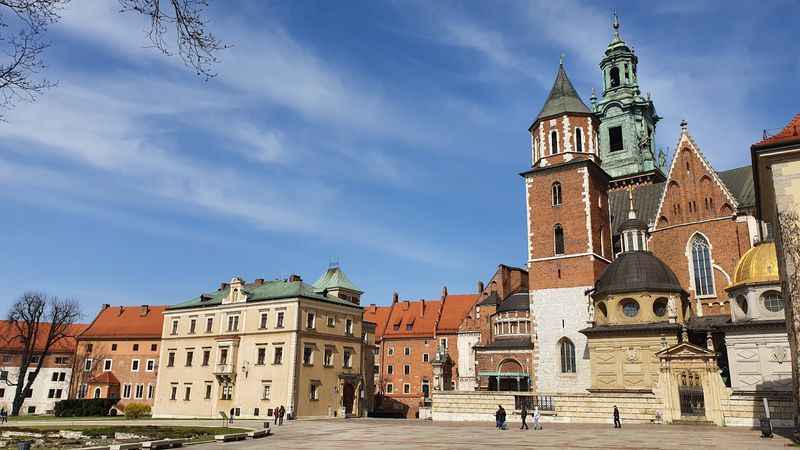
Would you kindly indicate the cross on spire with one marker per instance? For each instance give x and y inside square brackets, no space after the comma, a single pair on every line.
[615,24]
[561,59]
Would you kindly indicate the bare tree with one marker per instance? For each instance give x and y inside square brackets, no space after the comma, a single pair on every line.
[38,323]
[23,40]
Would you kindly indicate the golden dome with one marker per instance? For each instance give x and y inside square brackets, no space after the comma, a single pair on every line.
[758,266]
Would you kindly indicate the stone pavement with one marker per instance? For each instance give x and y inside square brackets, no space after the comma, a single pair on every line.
[389,434]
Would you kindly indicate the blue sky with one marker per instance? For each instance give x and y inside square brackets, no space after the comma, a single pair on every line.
[387,136]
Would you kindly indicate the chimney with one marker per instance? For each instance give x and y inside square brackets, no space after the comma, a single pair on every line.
[480,287]
[372,308]
[223,286]
[294,277]
[395,297]
[406,305]
[259,281]
[104,307]
[121,309]
[444,292]
[423,306]
[145,310]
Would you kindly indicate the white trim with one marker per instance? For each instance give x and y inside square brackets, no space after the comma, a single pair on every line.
[567,139]
[138,365]
[147,363]
[572,255]
[110,365]
[692,287]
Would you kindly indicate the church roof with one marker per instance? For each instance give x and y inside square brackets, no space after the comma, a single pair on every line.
[515,302]
[563,98]
[759,265]
[739,182]
[789,134]
[637,271]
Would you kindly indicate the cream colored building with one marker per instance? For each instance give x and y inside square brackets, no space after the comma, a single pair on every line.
[249,348]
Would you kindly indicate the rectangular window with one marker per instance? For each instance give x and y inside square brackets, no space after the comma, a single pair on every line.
[348,327]
[331,321]
[406,388]
[278,359]
[328,362]
[227,392]
[113,347]
[192,326]
[174,330]
[62,360]
[261,356]
[189,358]
[391,351]
[264,319]
[615,139]
[82,390]
[2,392]
[151,365]
[89,348]
[443,343]
[206,357]
[54,377]
[171,359]
[134,365]
[233,323]
[187,393]
[407,351]
[126,391]
[308,355]
[3,375]
[209,324]
[389,388]
[407,369]
[311,320]
[208,391]
[313,392]
[389,369]
[279,320]
[51,393]
[153,347]
[150,391]
[28,393]
[425,357]
[265,392]
[107,365]
[35,359]
[223,356]
[347,359]
[136,347]
[139,392]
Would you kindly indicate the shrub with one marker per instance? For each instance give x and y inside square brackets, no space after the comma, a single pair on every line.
[136,410]
[84,407]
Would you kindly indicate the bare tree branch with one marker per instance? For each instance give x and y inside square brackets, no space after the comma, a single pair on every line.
[196,46]
[40,322]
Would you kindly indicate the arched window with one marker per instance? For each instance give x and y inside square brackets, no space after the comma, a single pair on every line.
[578,140]
[96,392]
[701,262]
[614,74]
[558,238]
[553,142]
[556,194]
[567,356]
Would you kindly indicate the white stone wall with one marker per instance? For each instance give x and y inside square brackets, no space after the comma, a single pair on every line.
[41,390]
[466,360]
[759,361]
[560,313]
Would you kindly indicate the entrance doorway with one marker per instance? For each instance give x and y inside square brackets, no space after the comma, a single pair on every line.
[348,396]
[692,402]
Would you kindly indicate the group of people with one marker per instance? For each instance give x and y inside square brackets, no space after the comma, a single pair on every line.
[279,413]
[500,418]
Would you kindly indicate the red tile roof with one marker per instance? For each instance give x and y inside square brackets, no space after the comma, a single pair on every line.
[420,317]
[789,133]
[378,315]
[10,341]
[144,322]
[456,308]
[107,378]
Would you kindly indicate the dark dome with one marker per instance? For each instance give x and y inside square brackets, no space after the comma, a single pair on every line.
[637,271]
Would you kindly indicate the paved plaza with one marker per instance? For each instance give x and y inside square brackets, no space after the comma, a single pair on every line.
[391,434]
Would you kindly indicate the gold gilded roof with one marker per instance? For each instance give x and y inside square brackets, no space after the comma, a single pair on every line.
[759,265]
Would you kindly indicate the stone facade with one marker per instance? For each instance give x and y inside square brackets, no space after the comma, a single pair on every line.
[466,360]
[50,386]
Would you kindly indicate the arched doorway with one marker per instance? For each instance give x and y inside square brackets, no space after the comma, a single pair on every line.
[510,376]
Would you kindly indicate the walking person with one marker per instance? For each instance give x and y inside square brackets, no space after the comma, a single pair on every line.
[230,417]
[283,413]
[524,415]
[500,418]
[3,416]
[617,423]
[537,416]
[277,414]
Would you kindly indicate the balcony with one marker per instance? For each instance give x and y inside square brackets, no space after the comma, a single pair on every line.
[225,373]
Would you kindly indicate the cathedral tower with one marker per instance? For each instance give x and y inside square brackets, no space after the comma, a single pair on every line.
[627,120]
[569,240]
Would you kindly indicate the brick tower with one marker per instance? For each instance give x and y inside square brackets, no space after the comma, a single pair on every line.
[569,237]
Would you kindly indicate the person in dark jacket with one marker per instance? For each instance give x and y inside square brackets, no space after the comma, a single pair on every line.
[283,413]
[230,417]
[617,423]
[524,415]
[500,417]
[277,414]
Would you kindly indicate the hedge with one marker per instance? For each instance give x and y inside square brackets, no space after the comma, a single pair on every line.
[84,407]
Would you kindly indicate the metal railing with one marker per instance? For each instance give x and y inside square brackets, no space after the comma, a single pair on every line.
[225,369]
[543,402]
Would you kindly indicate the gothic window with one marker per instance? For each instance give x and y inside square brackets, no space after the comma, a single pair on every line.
[615,139]
[553,142]
[578,140]
[556,194]
[773,301]
[567,356]
[701,262]
[614,73]
[558,237]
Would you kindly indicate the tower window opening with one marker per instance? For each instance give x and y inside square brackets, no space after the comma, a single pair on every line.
[556,194]
[615,139]
[558,237]
[614,74]
[553,142]
[627,75]
[578,140]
